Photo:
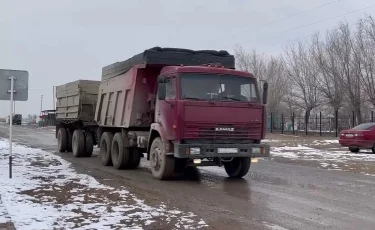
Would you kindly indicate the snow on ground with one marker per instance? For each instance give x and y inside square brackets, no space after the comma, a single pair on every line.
[330,158]
[304,152]
[269,140]
[325,142]
[46,193]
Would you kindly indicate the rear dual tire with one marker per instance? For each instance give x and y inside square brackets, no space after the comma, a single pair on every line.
[82,143]
[113,152]
[62,140]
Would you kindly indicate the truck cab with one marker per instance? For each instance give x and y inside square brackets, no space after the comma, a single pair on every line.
[210,115]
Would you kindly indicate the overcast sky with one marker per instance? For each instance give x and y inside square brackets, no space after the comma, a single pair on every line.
[66,40]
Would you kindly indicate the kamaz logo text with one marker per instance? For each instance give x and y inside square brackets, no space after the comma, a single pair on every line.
[224,129]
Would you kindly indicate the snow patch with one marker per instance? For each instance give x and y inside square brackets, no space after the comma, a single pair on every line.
[46,192]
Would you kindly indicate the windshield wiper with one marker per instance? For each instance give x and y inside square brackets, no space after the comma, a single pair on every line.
[194,98]
[231,98]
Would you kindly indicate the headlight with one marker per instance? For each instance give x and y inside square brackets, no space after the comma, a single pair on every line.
[195,151]
[257,150]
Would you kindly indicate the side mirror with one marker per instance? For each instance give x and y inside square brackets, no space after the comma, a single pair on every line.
[265,93]
[161,91]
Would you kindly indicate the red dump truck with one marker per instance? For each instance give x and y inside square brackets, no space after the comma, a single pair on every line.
[176,107]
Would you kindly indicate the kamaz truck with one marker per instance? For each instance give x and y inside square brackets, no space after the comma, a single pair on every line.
[178,108]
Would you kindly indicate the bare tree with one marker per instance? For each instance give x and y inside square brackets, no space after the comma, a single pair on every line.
[302,71]
[251,61]
[330,80]
[265,68]
[364,57]
[343,46]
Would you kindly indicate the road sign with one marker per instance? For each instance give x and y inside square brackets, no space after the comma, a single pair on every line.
[14,86]
[21,84]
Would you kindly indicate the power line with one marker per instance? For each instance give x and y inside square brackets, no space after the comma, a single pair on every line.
[313,23]
[326,19]
[299,13]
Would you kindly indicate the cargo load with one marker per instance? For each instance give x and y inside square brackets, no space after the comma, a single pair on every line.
[170,57]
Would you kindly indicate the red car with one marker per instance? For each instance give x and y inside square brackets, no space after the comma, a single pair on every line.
[359,137]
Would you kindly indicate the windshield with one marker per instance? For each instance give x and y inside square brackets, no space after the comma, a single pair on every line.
[218,87]
[366,126]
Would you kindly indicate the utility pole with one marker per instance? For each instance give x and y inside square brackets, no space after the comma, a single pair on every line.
[41,104]
[53,90]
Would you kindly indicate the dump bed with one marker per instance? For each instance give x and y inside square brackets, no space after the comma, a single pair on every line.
[77,100]
[125,100]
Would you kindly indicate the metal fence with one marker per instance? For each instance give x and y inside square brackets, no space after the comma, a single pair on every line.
[317,124]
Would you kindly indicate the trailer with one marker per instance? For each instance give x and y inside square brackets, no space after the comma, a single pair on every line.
[179,107]
[75,125]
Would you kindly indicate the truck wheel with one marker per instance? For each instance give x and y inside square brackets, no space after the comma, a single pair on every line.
[135,156]
[62,140]
[89,140]
[238,167]
[78,143]
[354,149]
[69,147]
[120,155]
[161,165]
[105,148]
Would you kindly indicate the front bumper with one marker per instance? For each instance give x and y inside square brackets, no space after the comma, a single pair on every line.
[356,143]
[213,150]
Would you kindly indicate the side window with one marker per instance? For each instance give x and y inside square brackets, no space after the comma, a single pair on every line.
[171,89]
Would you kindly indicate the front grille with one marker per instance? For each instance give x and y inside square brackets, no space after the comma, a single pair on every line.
[209,131]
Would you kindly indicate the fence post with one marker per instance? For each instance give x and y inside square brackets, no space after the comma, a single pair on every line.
[320,123]
[316,122]
[271,122]
[353,119]
[282,123]
[372,116]
[337,122]
[293,122]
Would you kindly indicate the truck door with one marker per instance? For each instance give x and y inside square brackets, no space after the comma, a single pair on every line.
[166,111]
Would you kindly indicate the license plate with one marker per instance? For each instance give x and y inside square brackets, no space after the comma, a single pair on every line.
[227,150]
[349,135]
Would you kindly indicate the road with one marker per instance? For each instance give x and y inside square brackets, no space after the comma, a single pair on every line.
[274,195]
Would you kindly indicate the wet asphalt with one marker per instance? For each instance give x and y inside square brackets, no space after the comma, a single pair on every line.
[274,195]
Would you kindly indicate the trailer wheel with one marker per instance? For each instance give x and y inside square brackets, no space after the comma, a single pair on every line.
[161,165]
[120,155]
[62,140]
[238,167]
[89,148]
[105,148]
[69,147]
[78,143]
[135,158]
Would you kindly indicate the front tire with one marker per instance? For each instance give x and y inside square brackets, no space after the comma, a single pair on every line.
[354,149]
[105,148]
[161,165]
[238,167]
[62,140]
[78,143]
